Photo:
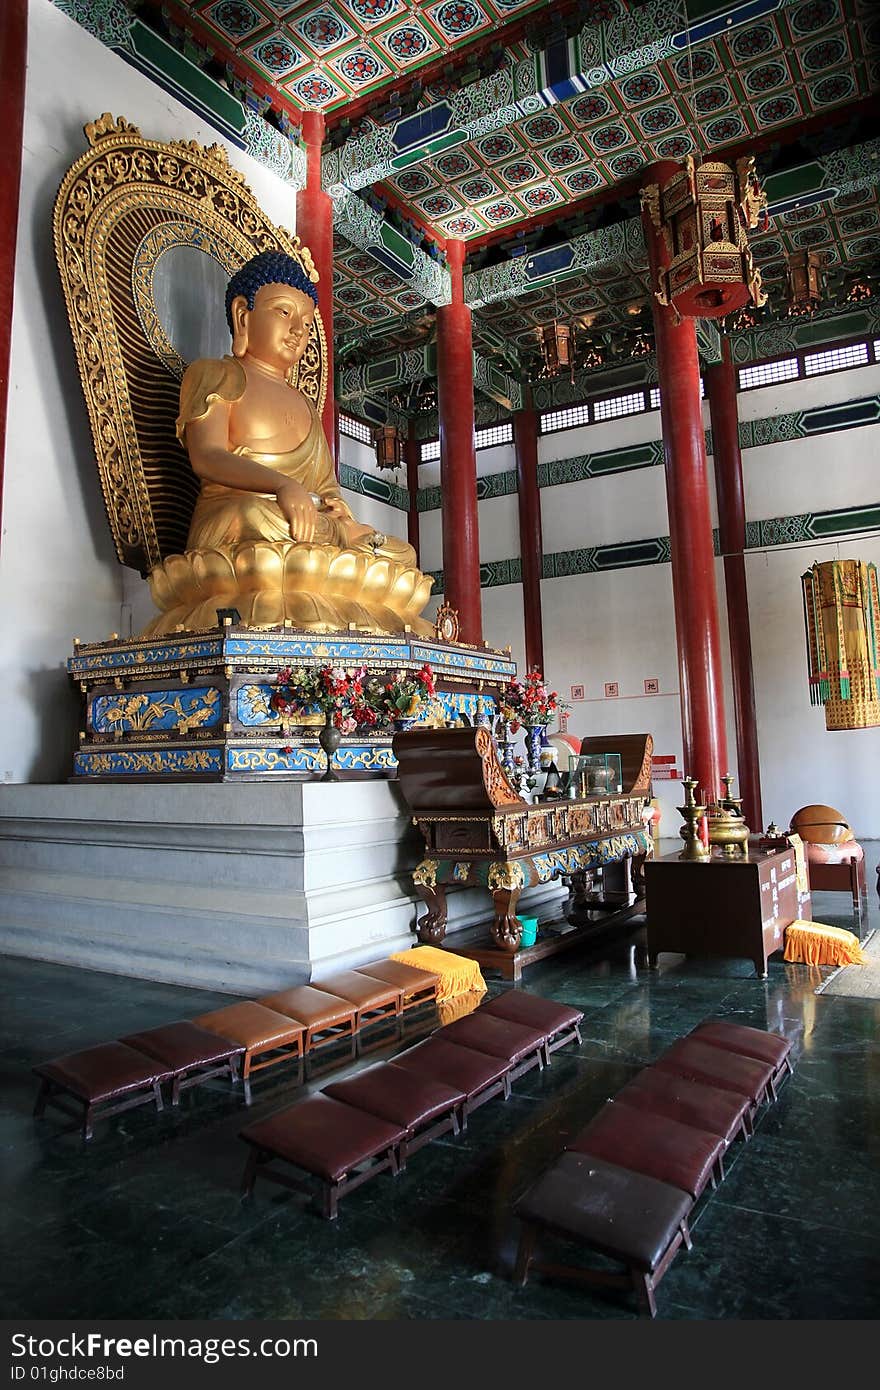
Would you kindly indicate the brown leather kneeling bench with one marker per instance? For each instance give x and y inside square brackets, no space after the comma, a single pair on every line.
[628,1217]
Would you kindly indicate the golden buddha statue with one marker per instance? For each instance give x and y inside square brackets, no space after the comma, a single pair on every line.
[270,534]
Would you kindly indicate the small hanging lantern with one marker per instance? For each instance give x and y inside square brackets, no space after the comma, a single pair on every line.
[590,356]
[743,320]
[859,290]
[389,451]
[804,282]
[704,214]
[842,620]
[556,348]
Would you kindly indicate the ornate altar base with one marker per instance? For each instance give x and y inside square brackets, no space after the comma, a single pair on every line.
[194,706]
[241,888]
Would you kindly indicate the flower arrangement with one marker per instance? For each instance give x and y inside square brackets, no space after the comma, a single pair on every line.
[343,695]
[404,695]
[350,700]
[529,702]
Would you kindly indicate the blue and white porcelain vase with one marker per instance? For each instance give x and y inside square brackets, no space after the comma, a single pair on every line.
[535,741]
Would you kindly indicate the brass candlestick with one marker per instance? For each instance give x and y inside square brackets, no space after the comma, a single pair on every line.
[692,814]
[731,803]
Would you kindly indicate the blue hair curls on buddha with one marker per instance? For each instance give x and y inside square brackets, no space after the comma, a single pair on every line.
[269,268]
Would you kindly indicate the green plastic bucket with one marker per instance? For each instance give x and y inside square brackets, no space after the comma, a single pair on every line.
[529,931]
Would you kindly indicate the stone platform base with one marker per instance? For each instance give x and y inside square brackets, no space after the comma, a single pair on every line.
[237,887]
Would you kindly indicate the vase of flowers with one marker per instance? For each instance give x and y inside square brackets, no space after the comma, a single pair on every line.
[343,696]
[530,703]
[405,696]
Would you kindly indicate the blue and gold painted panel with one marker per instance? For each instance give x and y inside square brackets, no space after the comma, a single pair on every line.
[181,710]
[109,657]
[464,661]
[148,762]
[269,761]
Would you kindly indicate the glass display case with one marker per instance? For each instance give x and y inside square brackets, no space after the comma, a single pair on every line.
[595,773]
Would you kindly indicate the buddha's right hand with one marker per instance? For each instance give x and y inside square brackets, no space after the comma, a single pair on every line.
[299,510]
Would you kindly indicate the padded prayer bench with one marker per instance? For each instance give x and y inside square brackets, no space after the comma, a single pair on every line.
[629,1218]
[667,1150]
[263,1033]
[559,1023]
[424,1107]
[190,1053]
[417,985]
[341,1146]
[325,1016]
[101,1081]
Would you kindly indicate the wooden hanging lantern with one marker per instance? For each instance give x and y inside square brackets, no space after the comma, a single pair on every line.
[804,282]
[704,214]
[389,451]
[556,348]
[842,620]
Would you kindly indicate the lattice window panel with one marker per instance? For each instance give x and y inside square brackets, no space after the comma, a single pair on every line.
[613,407]
[355,429]
[766,373]
[564,419]
[430,450]
[836,359]
[493,434]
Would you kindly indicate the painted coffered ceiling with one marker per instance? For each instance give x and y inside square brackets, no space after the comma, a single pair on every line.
[522,128]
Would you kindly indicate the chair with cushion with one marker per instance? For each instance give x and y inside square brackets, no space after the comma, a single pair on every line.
[326,1017]
[101,1081]
[424,1107]
[418,986]
[559,1023]
[273,1037]
[190,1053]
[341,1146]
[660,1148]
[622,1215]
[835,859]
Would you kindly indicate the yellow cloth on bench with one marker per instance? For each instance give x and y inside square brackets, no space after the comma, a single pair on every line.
[814,943]
[458,975]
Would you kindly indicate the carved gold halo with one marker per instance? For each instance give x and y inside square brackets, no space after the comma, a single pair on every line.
[123,188]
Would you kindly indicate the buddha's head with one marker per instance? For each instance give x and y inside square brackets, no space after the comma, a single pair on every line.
[270,308]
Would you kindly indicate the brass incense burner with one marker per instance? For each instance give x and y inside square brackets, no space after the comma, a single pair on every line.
[728,831]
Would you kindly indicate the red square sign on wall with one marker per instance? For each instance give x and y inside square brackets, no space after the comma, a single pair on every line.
[652,686]
[577,692]
[611,690]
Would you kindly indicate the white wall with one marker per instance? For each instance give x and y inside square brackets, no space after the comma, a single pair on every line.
[59,576]
[619,626]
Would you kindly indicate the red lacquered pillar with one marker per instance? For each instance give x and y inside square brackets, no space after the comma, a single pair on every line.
[721,389]
[531,545]
[13,65]
[690,525]
[458,462]
[412,453]
[314,227]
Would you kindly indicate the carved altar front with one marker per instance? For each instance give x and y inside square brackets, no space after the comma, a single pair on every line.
[479,831]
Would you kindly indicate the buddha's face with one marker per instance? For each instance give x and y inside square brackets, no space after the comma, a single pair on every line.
[276,330]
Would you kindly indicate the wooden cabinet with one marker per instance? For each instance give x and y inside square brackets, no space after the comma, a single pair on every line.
[722,907]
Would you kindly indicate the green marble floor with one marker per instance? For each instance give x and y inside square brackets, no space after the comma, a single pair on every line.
[145,1221]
